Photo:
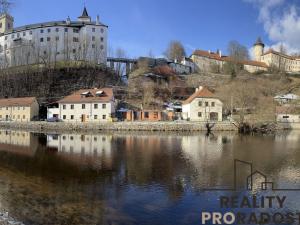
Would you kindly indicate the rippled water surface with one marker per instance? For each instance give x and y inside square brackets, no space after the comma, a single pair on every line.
[135,178]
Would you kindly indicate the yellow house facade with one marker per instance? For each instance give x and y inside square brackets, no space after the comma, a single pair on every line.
[18,109]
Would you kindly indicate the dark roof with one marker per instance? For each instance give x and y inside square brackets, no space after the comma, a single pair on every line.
[77,24]
[259,42]
[85,13]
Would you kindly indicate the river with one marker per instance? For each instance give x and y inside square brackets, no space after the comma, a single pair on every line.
[139,178]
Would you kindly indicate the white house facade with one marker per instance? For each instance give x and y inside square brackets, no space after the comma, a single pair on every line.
[49,42]
[88,105]
[202,106]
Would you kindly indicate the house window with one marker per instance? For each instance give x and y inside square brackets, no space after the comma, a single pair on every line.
[93,29]
[24,116]
[101,47]
[199,114]
[104,117]
[104,106]
[30,32]
[93,38]
[74,51]
[48,39]
[57,29]
[93,46]
[72,106]
[102,30]
[72,117]
[41,39]
[146,115]
[57,38]
[49,30]
[24,34]
[42,31]
[66,29]
[64,107]
[18,35]
[206,104]
[75,30]
[6,37]
[0,25]
[83,106]
[64,117]
[95,106]
[285,117]
[102,39]
[200,104]
[75,39]
[95,117]
[213,104]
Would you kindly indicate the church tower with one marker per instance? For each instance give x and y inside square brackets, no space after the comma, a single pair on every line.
[258,49]
[6,23]
[85,16]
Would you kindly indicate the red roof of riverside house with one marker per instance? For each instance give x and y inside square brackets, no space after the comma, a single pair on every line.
[201,93]
[215,56]
[89,96]
[17,101]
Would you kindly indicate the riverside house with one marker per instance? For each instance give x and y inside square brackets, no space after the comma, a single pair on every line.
[18,109]
[87,105]
[202,106]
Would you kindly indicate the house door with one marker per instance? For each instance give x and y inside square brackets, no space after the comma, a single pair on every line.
[213,116]
[83,118]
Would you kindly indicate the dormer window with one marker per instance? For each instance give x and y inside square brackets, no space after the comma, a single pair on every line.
[86,94]
[100,93]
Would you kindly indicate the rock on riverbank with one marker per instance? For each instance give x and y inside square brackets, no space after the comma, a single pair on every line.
[118,126]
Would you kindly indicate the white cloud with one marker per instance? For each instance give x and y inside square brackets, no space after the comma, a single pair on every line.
[281,22]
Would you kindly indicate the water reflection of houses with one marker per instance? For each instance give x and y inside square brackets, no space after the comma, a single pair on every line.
[18,142]
[86,149]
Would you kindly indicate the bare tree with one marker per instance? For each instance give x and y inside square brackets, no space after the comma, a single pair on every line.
[237,53]
[175,51]
[5,6]
[119,67]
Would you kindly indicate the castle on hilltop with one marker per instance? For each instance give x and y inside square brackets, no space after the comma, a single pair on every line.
[206,60]
[274,58]
[50,42]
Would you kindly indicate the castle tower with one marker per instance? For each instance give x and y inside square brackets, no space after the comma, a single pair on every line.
[6,23]
[85,16]
[258,49]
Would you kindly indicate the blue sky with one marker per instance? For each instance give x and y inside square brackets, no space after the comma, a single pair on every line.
[141,26]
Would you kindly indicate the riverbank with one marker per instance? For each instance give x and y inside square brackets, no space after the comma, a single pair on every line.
[118,126]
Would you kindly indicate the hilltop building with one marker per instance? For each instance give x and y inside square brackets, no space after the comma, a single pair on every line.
[54,41]
[19,109]
[87,105]
[207,61]
[276,59]
[202,106]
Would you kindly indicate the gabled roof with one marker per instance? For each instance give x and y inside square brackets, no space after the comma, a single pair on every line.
[201,93]
[89,96]
[27,101]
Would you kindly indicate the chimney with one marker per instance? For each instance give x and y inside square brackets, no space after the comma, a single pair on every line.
[209,51]
[98,20]
[200,88]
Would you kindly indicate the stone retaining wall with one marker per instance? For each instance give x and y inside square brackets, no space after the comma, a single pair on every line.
[118,126]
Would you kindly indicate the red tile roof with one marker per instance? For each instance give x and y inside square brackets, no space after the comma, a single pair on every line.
[202,93]
[17,101]
[79,97]
[215,56]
